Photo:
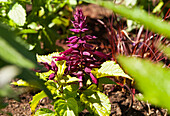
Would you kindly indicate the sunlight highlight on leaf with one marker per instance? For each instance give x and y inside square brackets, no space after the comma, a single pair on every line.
[110,68]
[18,14]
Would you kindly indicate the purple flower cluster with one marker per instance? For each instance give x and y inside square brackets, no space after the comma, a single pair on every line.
[80,55]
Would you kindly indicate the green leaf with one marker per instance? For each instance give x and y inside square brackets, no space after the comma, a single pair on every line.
[158,7]
[72,79]
[109,68]
[18,14]
[97,103]
[72,2]
[61,67]
[149,21]
[70,91]
[106,80]
[27,31]
[13,52]
[47,58]
[7,91]
[44,112]
[152,79]
[20,83]
[34,102]
[68,107]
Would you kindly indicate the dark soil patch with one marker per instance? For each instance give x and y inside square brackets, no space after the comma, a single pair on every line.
[120,105]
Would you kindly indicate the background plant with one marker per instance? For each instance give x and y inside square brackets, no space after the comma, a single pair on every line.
[147,75]
[37,21]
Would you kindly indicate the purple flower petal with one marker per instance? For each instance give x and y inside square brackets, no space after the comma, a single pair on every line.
[93,65]
[87,70]
[84,29]
[82,24]
[80,85]
[59,58]
[87,46]
[68,51]
[75,52]
[71,38]
[54,66]
[81,41]
[52,76]
[75,30]
[74,40]
[86,53]
[89,37]
[100,54]
[75,46]
[93,78]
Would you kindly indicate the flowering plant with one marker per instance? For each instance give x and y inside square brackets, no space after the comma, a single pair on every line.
[75,76]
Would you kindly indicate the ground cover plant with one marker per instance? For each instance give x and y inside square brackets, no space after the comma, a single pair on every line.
[74,78]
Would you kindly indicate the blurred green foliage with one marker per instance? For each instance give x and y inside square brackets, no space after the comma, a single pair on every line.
[151,79]
[40,22]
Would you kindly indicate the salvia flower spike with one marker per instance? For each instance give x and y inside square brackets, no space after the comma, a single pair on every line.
[80,55]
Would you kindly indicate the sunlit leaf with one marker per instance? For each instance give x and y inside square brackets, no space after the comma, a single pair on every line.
[44,112]
[67,107]
[97,103]
[158,7]
[17,14]
[20,83]
[110,68]
[152,79]
[61,67]
[72,2]
[36,98]
[47,58]
[72,79]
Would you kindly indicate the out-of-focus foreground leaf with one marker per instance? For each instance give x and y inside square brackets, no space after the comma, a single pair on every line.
[13,52]
[7,73]
[151,22]
[152,79]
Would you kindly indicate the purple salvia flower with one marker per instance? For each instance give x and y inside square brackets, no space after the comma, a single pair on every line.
[80,57]
[52,76]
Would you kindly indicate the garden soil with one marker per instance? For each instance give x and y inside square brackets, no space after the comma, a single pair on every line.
[121,105]
[121,101]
